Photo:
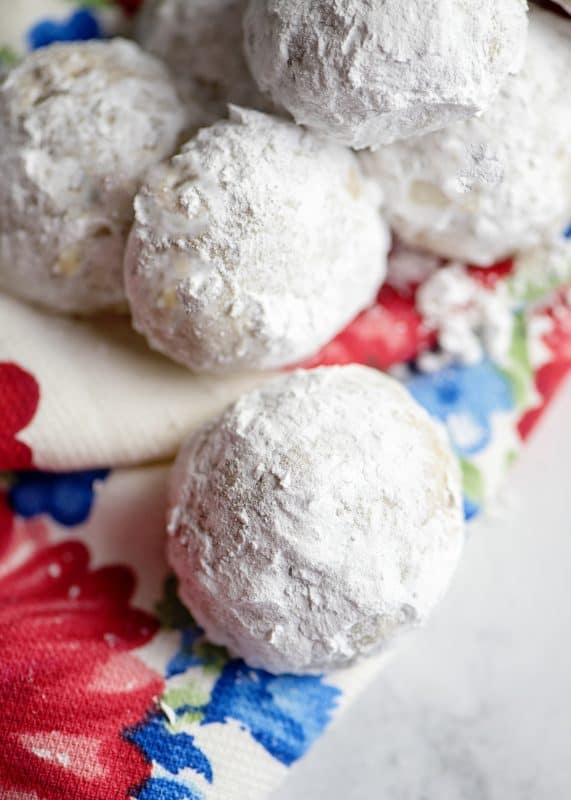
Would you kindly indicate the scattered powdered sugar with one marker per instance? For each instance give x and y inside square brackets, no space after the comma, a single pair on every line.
[253,246]
[369,73]
[79,125]
[316,519]
[201,43]
[473,320]
[483,189]
[409,267]
[470,320]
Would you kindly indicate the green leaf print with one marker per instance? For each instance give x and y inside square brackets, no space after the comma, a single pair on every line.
[473,481]
[170,611]
[182,705]
[7,57]
[92,3]
[520,371]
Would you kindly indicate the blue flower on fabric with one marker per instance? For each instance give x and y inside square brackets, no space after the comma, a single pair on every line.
[284,713]
[567,233]
[164,789]
[471,509]
[173,751]
[66,497]
[185,658]
[79,27]
[464,398]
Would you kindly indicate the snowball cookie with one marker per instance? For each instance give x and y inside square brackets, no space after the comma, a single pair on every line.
[315,519]
[201,42]
[485,188]
[368,73]
[79,125]
[253,246]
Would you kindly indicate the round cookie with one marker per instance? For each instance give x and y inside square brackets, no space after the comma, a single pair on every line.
[201,43]
[369,73]
[253,246]
[79,125]
[315,520]
[482,189]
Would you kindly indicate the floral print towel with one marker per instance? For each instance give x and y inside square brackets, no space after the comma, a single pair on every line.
[108,689]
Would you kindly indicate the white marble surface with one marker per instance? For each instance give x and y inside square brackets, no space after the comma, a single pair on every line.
[478,705]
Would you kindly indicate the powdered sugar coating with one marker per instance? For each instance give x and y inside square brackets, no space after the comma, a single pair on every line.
[316,519]
[79,125]
[253,246]
[482,189]
[368,73]
[201,43]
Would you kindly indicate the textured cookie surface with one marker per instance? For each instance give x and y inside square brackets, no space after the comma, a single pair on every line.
[79,125]
[201,43]
[316,519]
[367,73]
[482,189]
[253,246]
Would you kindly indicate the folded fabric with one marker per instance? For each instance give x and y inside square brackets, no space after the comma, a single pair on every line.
[105,398]
[108,689]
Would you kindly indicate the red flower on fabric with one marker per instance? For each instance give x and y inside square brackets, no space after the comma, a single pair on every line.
[390,332]
[550,376]
[19,398]
[68,684]
[489,277]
